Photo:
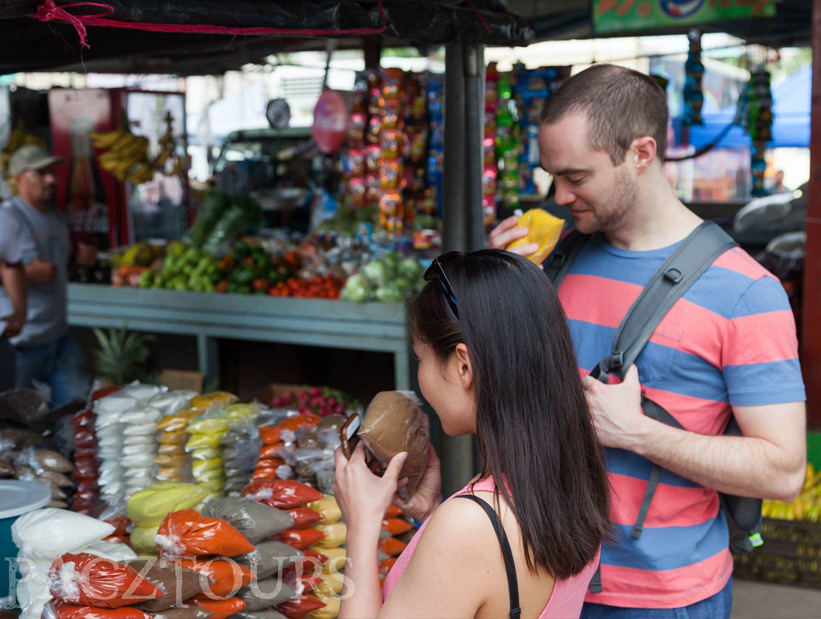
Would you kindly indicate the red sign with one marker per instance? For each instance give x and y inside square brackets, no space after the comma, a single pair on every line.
[330,121]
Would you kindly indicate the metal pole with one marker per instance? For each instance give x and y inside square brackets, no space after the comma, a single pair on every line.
[811,338]
[462,204]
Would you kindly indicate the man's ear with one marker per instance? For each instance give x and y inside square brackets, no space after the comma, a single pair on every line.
[464,367]
[642,153]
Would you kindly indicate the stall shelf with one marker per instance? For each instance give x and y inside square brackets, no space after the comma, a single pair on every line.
[378,327]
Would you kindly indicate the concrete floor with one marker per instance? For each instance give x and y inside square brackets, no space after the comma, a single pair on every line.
[759,600]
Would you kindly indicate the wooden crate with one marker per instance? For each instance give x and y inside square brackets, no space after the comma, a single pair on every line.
[791,555]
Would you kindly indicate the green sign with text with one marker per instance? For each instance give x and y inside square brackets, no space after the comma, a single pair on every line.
[635,15]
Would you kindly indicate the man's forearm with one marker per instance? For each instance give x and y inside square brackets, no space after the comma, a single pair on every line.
[739,465]
[14,283]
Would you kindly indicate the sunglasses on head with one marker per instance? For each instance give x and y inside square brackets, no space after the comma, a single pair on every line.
[437,271]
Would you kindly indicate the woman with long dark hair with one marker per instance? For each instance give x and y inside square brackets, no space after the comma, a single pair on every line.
[495,359]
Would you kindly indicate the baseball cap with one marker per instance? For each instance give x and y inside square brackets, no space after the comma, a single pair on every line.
[31,157]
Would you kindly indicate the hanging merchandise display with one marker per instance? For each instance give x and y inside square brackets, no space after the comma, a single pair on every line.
[694,72]
[490,170]
[531,89]
[508,142]
[759,124]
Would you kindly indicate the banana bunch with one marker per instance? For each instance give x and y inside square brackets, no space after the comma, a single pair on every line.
[168,152]
[125,156]
[18,139]
[806,507]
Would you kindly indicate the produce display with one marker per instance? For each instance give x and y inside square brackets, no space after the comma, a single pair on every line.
[390,279]
[807,505]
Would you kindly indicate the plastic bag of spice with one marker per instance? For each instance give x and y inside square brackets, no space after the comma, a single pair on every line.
[189,533]
[269,558]
[177,583]
[256,521]
[281,494]
[87,580]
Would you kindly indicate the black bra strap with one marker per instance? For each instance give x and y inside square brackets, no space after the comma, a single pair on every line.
[510,567]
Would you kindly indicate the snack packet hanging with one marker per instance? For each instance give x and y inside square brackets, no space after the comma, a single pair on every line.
[188,533]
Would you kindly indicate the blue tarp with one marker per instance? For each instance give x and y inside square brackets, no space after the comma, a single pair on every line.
[791,111]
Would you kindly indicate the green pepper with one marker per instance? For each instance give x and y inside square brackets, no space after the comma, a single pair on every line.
[243,275]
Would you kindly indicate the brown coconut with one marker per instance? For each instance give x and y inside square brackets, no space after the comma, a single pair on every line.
[392,424]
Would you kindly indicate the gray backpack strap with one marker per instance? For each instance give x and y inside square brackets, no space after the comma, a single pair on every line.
[557,264]
[668,284]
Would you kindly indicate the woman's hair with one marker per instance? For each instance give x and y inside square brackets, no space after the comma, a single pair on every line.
[534,427]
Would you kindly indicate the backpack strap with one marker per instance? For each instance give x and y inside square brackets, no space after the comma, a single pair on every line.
[674,277]
[557,264]
[507,554]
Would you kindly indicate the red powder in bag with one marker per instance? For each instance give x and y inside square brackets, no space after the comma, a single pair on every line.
[391,546]
[304,517]
[300,538]
[187,533]
[219,609]
[88,580]
[60,610]
[281,493]
[300,607]
[227,576]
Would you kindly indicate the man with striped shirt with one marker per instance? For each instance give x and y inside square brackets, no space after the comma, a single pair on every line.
[728,347]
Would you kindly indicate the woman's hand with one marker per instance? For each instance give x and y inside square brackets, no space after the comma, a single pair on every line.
[428,493]
[362,496]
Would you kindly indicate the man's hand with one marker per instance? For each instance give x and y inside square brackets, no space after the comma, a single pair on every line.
[507,232]
[616,410]
[14,324]
[86,255]
[40,272]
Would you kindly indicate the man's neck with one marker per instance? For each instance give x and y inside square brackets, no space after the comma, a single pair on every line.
[37,205]
[657,219]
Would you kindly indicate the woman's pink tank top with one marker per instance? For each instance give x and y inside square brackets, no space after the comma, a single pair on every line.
[567,597]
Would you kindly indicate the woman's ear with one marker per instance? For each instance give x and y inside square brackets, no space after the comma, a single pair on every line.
[464,367]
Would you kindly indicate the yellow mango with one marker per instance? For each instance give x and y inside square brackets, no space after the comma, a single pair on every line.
[543,229]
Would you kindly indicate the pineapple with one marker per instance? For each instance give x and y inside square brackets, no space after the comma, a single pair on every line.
[122,355]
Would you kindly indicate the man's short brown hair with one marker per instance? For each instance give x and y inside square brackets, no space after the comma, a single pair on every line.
[620,104]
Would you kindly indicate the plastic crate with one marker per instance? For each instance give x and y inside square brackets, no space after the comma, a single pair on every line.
[791,554]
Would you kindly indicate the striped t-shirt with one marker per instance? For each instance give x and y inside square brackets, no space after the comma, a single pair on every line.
[729,341]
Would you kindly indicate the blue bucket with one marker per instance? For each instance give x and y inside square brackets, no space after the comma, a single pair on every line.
[16,498]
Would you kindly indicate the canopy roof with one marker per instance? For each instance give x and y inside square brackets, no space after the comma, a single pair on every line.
[214,40]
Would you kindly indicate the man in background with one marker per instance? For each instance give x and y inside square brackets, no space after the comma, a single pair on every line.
[46,351]
[13,281]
